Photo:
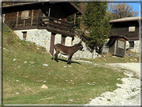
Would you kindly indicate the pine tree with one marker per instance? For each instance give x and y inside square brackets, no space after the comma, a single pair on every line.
[97,24]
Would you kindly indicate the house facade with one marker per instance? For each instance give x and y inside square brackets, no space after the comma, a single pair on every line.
[129,27]
[45,23]
[124,34]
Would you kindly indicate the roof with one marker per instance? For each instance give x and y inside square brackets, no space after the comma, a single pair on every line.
[126,19]
[69,4]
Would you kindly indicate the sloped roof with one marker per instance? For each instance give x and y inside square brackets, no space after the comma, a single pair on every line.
[68,4]
[126,19]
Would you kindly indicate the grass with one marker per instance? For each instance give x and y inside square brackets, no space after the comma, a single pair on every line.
[113,59]
[24,74]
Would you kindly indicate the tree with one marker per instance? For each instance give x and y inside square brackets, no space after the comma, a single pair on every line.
[121,10]
[78,18]
[97,24]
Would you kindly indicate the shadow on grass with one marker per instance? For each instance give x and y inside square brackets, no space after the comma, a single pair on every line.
[64,60]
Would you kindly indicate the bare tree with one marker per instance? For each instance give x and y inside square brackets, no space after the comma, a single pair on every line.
[121,10]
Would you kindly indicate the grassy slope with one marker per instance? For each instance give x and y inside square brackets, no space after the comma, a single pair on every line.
[67,84]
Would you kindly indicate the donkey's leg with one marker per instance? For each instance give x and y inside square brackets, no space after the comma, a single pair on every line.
[69,59]
[56,56]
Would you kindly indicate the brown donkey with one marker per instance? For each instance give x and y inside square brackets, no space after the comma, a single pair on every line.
[69,50]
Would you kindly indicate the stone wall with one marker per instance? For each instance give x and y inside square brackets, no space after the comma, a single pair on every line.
[42,37]
[84,54]
[136,48]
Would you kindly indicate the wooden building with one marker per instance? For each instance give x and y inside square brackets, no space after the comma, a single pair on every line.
[122,30]
[42,15]
[128,27]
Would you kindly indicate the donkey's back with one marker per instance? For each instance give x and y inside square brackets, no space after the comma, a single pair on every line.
[63,48]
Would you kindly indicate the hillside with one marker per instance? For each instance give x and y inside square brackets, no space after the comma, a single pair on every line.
[27,67]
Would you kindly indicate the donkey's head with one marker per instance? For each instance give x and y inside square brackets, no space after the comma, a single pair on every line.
[80,47]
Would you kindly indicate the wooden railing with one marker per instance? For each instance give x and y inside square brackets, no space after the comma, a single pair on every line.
[45,22]
[81,35]
[56,23]
[16,23]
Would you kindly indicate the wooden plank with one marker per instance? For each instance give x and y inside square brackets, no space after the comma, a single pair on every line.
[22,28]
[57,20]
[57,31]
[56,25]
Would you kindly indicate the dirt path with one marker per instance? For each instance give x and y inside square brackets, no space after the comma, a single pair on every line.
[128,92]
[135,67]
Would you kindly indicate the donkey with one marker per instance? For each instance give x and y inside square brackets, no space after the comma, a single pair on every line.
[69,50]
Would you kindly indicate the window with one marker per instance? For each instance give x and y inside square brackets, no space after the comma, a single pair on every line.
[25,14]
[24,35]
[121,44]
[132,29]
[131,44]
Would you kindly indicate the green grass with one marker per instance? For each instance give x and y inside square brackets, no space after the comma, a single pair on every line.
[67,84]
[113,59]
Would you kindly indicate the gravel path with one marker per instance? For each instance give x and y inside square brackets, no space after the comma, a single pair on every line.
[128,92]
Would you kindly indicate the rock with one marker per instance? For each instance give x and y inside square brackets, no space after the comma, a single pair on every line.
[70,100]
[25,62]
[44,86]
[14,59]
[45,65]
[130,55]
[136,55]
[17,92]
[17,80]
[31,62]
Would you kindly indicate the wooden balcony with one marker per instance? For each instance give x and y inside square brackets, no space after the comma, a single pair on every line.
[51,24]
[56,26]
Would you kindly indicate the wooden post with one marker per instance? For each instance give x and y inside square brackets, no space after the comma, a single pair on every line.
[49,12]
[32,17]
[17,19]
[52,43]
[74,18]
[39,13]
[49,16]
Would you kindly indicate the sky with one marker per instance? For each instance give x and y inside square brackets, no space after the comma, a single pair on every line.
[134,3]
[136,7]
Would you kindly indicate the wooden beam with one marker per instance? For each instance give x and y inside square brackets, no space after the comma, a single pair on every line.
[39,15]
[51,29]
[52,43]
[32,17]
[49,12]
[74,18]
[17,18]
[22,28]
